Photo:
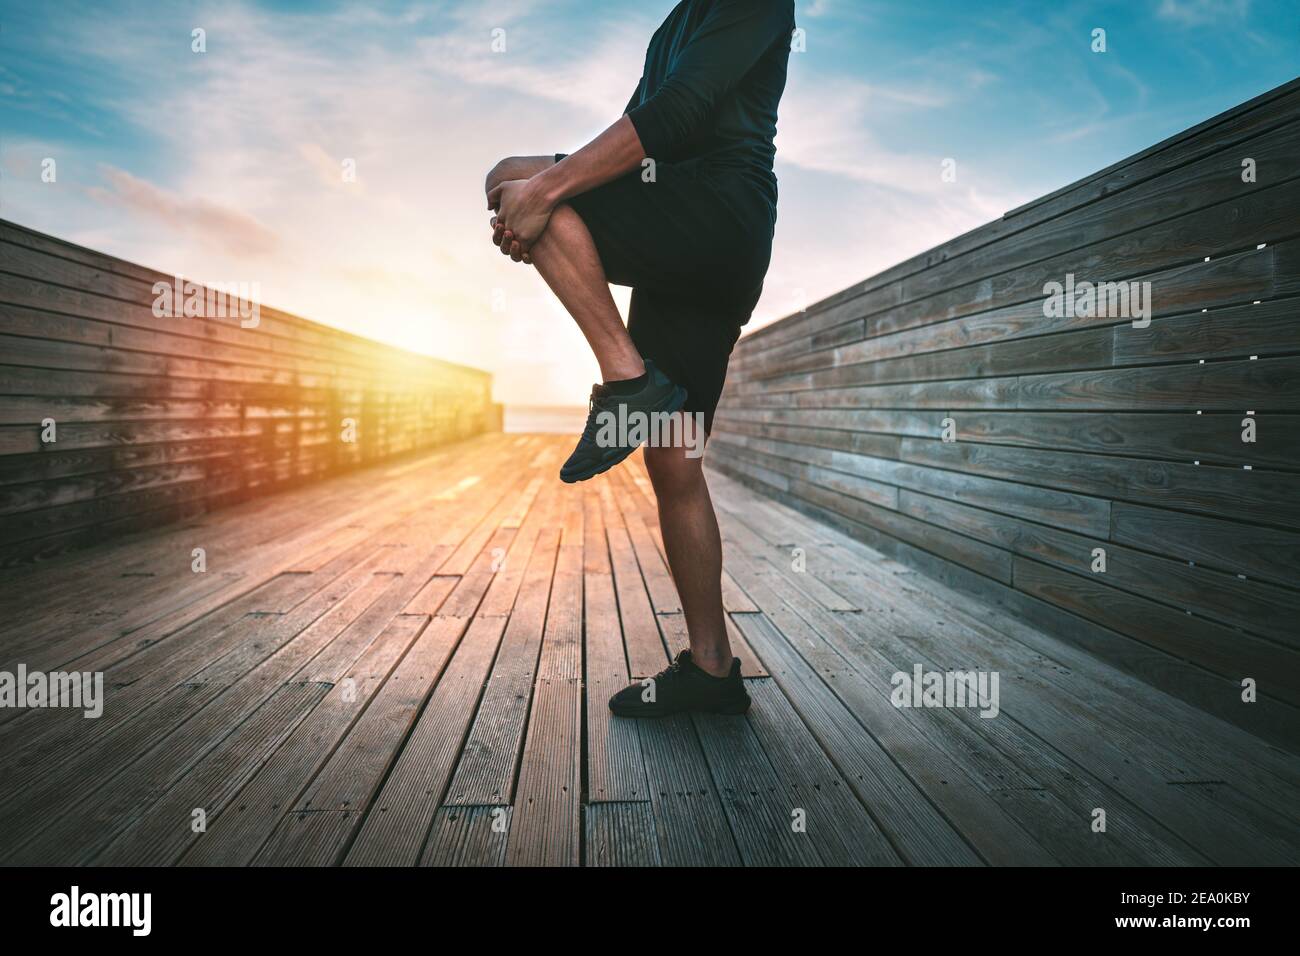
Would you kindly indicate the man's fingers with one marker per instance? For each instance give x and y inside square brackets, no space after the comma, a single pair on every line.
[494,197]
[516,252]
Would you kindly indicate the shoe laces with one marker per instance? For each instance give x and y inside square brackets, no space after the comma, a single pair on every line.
[589,430]
[672,669]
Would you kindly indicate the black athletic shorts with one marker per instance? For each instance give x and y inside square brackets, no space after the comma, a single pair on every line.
[694,246]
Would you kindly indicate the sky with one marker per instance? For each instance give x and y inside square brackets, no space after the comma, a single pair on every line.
[228,165]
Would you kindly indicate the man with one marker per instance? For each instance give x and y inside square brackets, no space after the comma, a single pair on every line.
[676,199]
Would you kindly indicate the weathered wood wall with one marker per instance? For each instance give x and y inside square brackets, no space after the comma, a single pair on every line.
[161,418]
[1074,434]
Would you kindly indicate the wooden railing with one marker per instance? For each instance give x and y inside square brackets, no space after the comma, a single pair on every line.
[114,417]
[946,414]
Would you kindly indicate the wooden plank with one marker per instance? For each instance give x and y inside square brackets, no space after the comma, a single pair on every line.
[615,769]
[247,410]
[837,823]
[159,835]
[952,787]
[1276,724]
[1262,114]
[1263,497]
[639,516]
[546,821]
[1033,788]
[919,833]
[1129,244]
[1239,331]
[621,834]
[1270,554]
[318,829]
[1117,695]
[1086,514]
[690,822]
[1213,438]
[1183,810]
[485,774]
[734,598]
[329,645]
[468,836]
[1228,653]
[139,688]
[645,647]
[1253,606]
[393,832]
[546,816]
[762,809]
[250,819]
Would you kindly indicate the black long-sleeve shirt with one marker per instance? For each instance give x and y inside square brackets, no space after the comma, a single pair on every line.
[714,74]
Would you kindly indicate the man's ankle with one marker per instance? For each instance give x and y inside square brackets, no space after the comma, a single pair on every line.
[622,369]
[715,665]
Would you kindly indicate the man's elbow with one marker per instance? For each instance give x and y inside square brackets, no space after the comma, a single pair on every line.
[680,113]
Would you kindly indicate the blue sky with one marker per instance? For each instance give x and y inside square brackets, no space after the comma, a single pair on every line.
[224,166]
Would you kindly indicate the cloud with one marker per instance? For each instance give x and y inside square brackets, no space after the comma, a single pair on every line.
[216,225]
[594,73]
[327,167]
[830,135]
[1201,12]
[236,153]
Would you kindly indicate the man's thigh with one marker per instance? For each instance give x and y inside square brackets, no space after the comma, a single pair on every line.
[673,235]
[691,341]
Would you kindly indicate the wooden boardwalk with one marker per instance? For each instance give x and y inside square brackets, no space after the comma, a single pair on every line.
[408,665]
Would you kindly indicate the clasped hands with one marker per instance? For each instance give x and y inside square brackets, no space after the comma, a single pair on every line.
[521,216]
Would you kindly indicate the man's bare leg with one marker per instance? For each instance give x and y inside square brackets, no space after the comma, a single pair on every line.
[565,256]
[567,260]
[694,547]
[516,167]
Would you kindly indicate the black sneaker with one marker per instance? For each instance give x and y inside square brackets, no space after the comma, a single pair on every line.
[594,454]
[680,687]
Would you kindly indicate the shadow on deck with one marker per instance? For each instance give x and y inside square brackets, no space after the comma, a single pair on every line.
[408,665]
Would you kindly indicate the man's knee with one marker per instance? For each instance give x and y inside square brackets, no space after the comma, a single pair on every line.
[672,472]
[565,216]
[561,228]
[518,167]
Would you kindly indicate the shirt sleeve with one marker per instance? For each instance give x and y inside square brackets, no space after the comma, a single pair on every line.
[728,42]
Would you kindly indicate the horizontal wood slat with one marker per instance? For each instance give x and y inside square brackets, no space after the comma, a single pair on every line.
[941,412]
[160,417]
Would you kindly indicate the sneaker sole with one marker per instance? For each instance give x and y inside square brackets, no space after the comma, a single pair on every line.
[679,399]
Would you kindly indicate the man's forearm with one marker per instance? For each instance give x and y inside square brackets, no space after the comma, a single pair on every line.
[614,152]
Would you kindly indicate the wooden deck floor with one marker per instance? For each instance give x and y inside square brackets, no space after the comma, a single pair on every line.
[409,665]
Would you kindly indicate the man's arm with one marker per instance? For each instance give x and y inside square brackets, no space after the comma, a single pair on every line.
[524,206]
[526,167]
[725,46]
[614,152]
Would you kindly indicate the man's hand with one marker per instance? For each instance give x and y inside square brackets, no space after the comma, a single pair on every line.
[505,240]
[516,167]
[522,214]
